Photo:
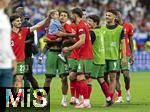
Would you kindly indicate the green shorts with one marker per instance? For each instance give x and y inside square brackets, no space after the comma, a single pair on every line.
[126,66]
[112,65]
[80,66]
[54,65]
[28,65]
[97,70]
[20,68]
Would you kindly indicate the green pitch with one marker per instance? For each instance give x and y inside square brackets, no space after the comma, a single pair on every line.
[140,92]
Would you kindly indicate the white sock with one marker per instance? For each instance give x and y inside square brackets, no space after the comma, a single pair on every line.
[77,101]
[128,91]
[73,98]
[82,97]
[108,98]
[86,102]
[64,97]
[20,91]
[120,97]
[62,53]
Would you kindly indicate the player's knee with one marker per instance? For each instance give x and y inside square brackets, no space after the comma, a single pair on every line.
[112,76]
[64,79]
[89,81]
[117,78]
[72,76]
[19,78]
[80,77]
[48,79]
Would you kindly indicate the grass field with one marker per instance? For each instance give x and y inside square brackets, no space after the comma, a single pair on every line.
[140,92]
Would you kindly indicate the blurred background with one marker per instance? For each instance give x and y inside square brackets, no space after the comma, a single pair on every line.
[135,11]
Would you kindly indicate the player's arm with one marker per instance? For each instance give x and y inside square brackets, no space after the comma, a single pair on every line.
[123,46]
[38,25]
[64,34]
[52,41]
[77,44]
[131,48]
[93,37]
[131,44]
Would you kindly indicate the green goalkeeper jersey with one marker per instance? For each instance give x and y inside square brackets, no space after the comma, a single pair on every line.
[112,38]
[98,47]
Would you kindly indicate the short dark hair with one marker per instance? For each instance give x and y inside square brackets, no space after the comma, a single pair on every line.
[78,11]
[64,11]
[113,11]
[95,18]
[14,17]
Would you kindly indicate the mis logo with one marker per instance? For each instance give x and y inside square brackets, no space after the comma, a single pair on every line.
[27,99]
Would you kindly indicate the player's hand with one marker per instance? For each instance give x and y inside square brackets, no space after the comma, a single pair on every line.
[59,39]
[65,49]
[124,62]
[14,66]
[132,60]
[72,34]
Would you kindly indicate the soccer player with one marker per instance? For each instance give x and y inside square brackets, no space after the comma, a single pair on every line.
[98,66]
[128,30]
[82,58]
[54,65]
[7,57]
[113,37]
[30,49]
[54,29]
[18,36]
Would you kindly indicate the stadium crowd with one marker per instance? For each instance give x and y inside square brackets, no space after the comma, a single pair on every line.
[134,11]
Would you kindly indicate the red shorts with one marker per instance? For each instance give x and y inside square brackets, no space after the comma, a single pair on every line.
[52,37]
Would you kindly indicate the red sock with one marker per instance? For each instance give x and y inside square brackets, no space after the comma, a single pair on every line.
[119,93]
[89,90]
[104,87]
[84,89]
[73,87]
[77,89]
[112,96]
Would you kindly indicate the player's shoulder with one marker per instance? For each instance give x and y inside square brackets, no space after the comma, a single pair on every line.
[128,24]
[24,29]
[83,25]
[67,25]
[120,27]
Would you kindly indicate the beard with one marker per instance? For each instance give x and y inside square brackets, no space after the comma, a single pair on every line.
[18,26]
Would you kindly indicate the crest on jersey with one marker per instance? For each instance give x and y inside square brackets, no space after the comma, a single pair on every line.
[80,30]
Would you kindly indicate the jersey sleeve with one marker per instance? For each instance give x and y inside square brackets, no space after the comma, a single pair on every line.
[26,31]
[131,30]
[93,37]
[81,30]
[67,28]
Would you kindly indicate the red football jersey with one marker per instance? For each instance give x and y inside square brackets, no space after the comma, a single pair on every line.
[68,28]
[128,29]
[71,28]
[85,50]
[18,43]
